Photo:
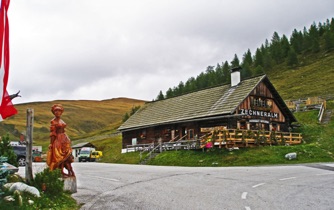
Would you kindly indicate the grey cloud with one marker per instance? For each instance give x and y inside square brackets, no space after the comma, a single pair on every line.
[137,48]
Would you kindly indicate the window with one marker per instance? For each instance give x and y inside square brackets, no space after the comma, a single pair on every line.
[243,125]
[191,133]
[143,134]
[257,102]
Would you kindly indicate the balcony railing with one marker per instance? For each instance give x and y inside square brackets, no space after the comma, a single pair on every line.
[245,138]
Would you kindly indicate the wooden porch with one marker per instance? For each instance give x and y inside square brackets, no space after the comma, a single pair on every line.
[228,138]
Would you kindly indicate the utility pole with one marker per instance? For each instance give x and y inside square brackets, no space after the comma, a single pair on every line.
[30,122]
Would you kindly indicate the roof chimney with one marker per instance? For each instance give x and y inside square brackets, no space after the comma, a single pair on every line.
[235,76]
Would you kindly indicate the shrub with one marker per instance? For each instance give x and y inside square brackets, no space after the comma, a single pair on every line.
[50,182]
[6,150]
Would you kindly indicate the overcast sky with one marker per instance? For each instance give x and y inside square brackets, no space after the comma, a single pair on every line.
[103,49]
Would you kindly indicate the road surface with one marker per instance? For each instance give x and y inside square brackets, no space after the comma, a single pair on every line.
[118,186]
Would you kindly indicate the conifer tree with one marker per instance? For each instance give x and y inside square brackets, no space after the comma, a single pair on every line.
[276,49]
[235,62]
[219,74]
[246,72]
[160,96]
[258,61]
[226,72]
[211,76]
[247,58]
[292,58]
[329,40]
[314,38]
[6,150]
[169,93]
[190,85]
[307,42]
[285,45]
[296,41]
[259,70]
[201,81]
[125,117]
[180,88]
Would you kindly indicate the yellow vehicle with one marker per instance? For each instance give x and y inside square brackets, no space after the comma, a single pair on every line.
[95,155]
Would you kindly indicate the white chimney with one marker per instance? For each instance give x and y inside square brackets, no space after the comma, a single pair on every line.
[235,76]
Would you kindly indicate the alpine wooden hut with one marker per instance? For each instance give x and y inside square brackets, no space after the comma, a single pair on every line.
[250,104]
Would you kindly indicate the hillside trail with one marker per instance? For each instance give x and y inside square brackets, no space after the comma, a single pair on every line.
[327,116]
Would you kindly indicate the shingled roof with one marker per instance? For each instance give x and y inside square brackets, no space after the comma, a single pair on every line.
[211,102]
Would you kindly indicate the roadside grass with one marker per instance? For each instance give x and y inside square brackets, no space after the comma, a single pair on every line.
[50,186]
[62,201]
[267,155]
[112,147]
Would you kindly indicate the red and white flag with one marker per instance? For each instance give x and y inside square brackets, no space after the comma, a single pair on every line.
[6,107]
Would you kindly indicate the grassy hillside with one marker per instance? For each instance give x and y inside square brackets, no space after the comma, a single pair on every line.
[84,118]
[314,78]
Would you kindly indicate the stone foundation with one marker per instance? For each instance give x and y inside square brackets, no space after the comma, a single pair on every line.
[70,184]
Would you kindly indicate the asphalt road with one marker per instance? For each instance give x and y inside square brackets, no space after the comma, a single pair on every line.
[117,186]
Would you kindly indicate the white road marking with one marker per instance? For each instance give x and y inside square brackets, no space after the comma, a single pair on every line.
[287,178]
[98,177]
[247,208]
[257,185]
[244,195]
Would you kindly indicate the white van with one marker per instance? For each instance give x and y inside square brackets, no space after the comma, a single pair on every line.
[85,154]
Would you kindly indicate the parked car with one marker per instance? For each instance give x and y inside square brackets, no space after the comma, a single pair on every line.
[36,156]
[20,152]
[96,155]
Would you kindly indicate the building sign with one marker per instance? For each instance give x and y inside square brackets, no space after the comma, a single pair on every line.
[250,112]
[259,121]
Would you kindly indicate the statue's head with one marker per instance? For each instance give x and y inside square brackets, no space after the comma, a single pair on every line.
[57,107]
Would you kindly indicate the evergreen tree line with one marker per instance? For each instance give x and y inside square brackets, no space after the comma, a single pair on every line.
[280,50]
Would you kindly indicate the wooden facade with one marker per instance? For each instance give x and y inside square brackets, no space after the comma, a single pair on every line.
[241,107]
[261,111]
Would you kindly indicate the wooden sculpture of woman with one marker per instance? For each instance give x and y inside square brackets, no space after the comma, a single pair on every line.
[60,151]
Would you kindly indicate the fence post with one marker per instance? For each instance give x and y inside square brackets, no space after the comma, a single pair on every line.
[29,139]
[160,145]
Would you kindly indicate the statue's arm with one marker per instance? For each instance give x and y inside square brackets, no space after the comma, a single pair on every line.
[52,133]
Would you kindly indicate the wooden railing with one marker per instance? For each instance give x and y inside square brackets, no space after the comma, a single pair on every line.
[244,138]
[174,138]
[180,144]
[181,139]
[139,147]
[321,111]
[151,150]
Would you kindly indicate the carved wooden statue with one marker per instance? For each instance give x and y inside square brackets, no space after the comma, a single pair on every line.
[60,151]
